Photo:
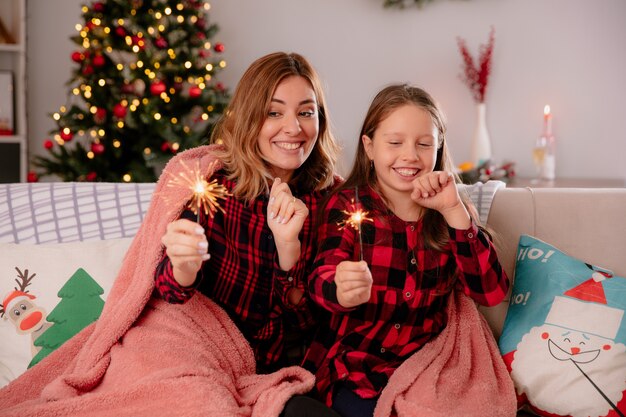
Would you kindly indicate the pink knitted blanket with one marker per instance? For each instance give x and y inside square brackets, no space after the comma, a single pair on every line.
[145,357]
[459,373]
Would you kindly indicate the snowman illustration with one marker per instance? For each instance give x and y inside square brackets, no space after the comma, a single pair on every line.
[572,365]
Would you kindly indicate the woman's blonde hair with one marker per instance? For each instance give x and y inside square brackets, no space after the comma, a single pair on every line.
[364,174]
[241,123]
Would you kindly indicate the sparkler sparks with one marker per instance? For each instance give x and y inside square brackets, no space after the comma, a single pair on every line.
[355,218]
[205,195]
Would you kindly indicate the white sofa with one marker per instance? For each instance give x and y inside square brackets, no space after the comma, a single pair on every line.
[589,224]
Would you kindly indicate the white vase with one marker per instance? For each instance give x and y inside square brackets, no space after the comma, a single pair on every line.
[480,150]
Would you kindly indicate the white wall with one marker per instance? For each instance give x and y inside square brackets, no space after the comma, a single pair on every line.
[570,54]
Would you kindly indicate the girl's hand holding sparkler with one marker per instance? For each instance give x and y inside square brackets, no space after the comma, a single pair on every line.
[285,216]
[354,283]
[186,245]
[437,190]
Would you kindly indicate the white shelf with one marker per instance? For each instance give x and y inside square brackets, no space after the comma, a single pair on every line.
[11,47]
[14,149]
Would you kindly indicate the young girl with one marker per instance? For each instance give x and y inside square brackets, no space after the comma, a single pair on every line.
[278,157]
[420,240]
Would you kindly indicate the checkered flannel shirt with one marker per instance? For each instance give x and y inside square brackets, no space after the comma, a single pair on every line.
[243,275]
[363,346]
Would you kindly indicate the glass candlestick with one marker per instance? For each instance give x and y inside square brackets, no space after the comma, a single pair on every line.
[539,152]
[544,152]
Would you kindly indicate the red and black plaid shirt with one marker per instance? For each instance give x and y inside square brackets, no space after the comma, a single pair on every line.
[243,275]
[363,346]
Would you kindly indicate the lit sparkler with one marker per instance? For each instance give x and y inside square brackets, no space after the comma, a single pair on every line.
[355,218]
[204,194]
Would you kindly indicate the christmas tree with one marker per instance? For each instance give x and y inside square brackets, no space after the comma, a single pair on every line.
[80,306]
[143,89]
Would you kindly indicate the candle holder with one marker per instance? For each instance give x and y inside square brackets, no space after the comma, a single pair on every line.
[544,151]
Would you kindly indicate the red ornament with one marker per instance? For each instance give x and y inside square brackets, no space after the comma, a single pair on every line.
[97,148]
[219,47]
[88,70]
[90,25]
[140,42]
[66,136]
[32,176]
[98,7]
[119,110]
[178,86]
[48,144]
[127,88]
[78,56]
[160,43]
[165,146]
[220,87]
[157,87]
[100,116]
[195,92]
[91,176]
[98,60]
[204,53]
[120,31]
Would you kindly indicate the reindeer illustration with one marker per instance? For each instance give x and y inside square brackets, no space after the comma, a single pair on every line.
[18,306]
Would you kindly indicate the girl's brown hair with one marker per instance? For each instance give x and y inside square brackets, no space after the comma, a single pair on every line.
[239,127]
[364,174]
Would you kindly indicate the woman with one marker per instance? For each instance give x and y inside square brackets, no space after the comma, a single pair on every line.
[278,158]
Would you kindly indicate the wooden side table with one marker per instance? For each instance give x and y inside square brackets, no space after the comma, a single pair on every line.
[568,183]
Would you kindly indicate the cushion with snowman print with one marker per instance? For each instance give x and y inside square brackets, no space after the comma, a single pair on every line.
[564,337]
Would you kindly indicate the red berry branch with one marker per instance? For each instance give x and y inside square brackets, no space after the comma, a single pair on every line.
[477,77]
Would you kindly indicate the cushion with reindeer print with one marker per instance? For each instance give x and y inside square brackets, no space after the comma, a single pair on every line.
[49,293]
[564,337]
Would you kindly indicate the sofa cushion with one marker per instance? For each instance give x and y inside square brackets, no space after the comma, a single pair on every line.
[564,336]
[50,292]
[63,212]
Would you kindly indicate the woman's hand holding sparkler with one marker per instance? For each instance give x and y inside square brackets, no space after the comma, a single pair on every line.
[186,245]
[437,191]
[285,216]
[354,283]
[185,241]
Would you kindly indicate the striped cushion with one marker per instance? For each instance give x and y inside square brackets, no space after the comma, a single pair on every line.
[70,212]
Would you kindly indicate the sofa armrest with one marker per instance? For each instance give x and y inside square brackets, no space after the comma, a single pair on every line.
[588,224]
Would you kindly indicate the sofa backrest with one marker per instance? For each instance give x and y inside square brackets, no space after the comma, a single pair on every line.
[63,212]
[588,224]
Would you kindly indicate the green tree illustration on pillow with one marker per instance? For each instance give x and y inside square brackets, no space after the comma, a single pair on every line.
[81,304]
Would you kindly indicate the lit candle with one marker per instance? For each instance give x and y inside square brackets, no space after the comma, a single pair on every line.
[547,121]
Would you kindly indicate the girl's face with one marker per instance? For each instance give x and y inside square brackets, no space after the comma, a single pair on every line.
[404,147]
[290,130]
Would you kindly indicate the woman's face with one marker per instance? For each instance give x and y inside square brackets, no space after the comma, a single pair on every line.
[291,127]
